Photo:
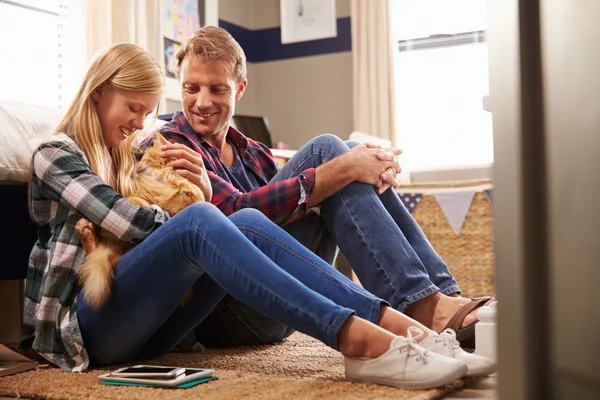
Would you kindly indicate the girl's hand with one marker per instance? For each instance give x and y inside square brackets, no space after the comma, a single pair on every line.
[189,164]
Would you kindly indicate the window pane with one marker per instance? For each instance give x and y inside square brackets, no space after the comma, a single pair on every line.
[29,70]
[439,116]
[440,119]
[421,18]
[48,5]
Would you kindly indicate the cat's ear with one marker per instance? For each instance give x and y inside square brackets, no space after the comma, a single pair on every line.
[160,139]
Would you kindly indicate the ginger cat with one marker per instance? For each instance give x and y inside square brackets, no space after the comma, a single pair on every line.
[157,184]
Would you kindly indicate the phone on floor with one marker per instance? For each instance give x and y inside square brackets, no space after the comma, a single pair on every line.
[148,371]
[189,374]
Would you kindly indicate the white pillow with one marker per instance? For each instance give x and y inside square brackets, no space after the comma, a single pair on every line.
[22,127]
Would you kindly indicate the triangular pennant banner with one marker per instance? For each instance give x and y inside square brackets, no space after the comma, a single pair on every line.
[411,200]
[456,206]
[488,193]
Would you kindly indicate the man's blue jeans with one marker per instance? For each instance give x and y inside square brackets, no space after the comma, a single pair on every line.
[376,233]
[387,250]
[245,255]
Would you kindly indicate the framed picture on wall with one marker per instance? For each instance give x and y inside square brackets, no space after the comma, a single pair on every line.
[180,19]
[304,20]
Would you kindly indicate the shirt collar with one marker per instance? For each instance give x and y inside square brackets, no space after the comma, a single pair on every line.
[236,137]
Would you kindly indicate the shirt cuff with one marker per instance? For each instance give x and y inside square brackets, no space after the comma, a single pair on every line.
[307,184]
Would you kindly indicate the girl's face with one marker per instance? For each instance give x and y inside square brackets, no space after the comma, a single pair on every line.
[122,112]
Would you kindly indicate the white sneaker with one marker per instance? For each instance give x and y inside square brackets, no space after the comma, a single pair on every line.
[406,365]
[446,344]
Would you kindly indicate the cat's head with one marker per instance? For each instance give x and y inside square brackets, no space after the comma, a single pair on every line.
[151,161]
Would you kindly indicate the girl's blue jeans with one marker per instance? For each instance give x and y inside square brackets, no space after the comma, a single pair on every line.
[245,255]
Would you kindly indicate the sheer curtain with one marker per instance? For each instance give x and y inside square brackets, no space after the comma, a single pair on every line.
[373,74]
[116,21]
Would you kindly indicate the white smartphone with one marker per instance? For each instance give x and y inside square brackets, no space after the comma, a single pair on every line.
[148,371]
[189,374]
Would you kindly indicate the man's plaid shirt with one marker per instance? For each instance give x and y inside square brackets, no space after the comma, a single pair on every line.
[283,202]
[63,190]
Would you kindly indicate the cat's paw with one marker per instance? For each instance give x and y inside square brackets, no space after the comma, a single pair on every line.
[87,234]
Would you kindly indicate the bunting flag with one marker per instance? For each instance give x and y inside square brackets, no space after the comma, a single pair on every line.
[455,206]
[488,193]
[411,200]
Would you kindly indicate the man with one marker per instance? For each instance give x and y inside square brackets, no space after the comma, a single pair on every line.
[329,194]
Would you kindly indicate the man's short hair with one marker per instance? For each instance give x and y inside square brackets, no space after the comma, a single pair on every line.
[211,43]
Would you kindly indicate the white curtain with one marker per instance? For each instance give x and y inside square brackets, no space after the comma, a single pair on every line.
[372,61]
[117,21]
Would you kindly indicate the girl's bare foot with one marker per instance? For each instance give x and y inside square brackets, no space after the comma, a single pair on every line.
[361,338]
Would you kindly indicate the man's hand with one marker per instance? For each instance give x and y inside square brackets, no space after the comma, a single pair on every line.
[367,164]
[388,177]
[370,164]
[189,164]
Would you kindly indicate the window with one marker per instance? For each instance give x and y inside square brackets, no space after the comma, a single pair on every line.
[42,55]
[441,74]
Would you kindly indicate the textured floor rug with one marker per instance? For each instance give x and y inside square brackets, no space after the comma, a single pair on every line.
[297,368]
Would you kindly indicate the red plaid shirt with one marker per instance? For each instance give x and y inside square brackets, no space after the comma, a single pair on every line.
[283,202]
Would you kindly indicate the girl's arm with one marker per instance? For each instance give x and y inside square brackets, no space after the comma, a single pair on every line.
[65,176]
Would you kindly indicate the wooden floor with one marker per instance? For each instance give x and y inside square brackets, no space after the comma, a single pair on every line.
[484,389]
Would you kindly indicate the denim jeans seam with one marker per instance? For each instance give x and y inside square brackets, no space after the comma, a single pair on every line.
[429,290]
[376,310]
[305,259]
[301,167]
[450,290]
[336,326]
[390,282]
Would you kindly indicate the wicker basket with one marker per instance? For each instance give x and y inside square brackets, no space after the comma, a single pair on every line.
[469,255]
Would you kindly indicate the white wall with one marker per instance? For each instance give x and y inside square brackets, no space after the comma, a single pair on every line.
[301,97]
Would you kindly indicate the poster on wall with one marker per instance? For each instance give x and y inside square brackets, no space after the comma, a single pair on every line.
[181,18]
[303,20]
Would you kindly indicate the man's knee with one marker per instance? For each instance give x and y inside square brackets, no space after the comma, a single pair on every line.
[328,145]
[351,143]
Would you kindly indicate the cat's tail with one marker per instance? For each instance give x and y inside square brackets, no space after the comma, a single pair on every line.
[96,275]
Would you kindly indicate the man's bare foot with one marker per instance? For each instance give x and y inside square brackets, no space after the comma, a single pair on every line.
[87,234]
[471,318]
[435,311]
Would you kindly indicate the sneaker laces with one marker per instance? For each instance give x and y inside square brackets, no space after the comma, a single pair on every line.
[448,337]
[410,345]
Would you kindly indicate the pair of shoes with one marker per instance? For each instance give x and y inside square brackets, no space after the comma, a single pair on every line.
[406,365]
[445,344]
[466,335]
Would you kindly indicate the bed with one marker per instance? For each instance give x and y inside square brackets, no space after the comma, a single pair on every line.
[21,129]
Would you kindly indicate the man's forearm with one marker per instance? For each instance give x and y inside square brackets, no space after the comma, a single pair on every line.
[330,178]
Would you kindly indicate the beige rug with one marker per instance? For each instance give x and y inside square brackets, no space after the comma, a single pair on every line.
[298,368]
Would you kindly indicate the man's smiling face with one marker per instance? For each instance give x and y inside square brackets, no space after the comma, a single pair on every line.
[208,96]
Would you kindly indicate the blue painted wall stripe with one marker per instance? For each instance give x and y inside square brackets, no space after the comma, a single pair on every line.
[265,44]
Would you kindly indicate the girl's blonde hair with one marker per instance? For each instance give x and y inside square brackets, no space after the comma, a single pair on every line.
[124,66]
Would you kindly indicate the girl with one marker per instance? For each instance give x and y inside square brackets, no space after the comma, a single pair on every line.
[84,171]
